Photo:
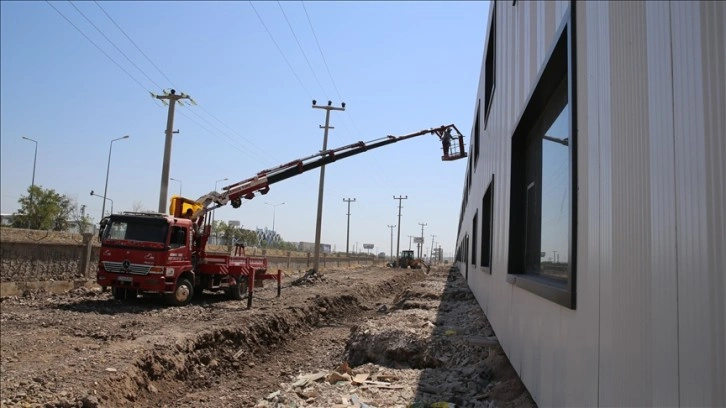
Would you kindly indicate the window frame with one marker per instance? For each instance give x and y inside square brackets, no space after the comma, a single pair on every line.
[545,92]
[487,210]
[490,64]
[474,237]
[477,133]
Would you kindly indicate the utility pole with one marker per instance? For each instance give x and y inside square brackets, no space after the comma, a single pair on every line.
[391,227]
[347,234]
[173,98]
[398,240]
[431,254]
[422,238]
[409,241]
[319,220]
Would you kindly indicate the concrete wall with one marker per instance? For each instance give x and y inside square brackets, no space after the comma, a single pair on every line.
[58,267]
[25,261]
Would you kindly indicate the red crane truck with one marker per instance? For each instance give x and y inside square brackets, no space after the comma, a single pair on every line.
[154,253]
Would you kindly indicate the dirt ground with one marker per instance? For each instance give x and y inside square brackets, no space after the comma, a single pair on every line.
[362,337]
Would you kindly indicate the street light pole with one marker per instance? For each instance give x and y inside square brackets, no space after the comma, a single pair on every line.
[391,227]
[108,167]
[104,200]
[316,261]
[180,184]
[35,157]
[347,234]
[213,229]
[274,207]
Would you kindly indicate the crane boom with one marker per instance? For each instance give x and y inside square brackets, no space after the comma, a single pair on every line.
[260,183]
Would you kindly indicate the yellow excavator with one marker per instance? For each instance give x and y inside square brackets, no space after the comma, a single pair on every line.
[407,260]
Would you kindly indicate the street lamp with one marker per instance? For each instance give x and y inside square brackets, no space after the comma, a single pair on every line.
[180,184]
[215,189]
[108,167]
[274,206]
[35,156]
[104,201]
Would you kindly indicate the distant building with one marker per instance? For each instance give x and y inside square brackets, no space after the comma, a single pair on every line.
[310,247]
[267,236]
[6,219]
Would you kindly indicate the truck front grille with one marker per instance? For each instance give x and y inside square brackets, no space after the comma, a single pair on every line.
[117,267]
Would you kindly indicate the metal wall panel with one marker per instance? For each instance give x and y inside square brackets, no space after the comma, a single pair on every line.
[649,328]
[700,305]
[630,285]
[662,268]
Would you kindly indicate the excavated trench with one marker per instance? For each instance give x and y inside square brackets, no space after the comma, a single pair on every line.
[203,360]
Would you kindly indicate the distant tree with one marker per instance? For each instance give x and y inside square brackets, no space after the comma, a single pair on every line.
[44,209]
[83,220]
[137,206]
[231,234]
[249,237]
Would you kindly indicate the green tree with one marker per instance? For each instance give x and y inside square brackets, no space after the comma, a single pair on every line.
[230,234]
[44,209]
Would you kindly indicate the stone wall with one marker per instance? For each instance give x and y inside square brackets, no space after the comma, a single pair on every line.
[26,261]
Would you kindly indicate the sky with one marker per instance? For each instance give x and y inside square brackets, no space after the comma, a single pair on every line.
[77,75]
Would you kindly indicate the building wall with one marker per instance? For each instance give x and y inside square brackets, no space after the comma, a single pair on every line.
[648,327]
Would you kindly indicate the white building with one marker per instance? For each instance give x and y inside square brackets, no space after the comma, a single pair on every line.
[593,222]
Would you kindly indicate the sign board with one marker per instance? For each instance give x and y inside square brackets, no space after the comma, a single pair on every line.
[418,240]
[233,223]
[368,246]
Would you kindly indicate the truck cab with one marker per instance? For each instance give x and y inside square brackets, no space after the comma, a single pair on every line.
[147,252]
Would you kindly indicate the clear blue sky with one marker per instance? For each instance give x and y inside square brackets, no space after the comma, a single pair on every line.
[399,66]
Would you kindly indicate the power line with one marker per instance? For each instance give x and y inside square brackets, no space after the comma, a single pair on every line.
[303,51]
[99,48]
[249,152]
[233,131]
[134,43]
[114,45]
[321,52]
[191,119]
[327,68]
[172,83]
[337,91]
[280,50]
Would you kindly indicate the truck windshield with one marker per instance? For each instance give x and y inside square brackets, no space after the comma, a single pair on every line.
[143,230]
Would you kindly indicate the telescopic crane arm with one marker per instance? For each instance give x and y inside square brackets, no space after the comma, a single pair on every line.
[450,137]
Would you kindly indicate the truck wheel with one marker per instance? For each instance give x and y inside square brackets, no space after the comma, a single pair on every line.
[118,293]
[239,290]
[183,293]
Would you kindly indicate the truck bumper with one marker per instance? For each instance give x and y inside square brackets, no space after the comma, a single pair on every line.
[146,283]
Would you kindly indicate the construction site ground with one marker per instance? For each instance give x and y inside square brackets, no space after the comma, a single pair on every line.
[361,337]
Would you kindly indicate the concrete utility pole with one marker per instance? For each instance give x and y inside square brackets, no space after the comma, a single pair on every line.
[398,240]
[431,254]
[409,241]
[391,227]
[347,234]
[173,99]
[422,238]
[316,261]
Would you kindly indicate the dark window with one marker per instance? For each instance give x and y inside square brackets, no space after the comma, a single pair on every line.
[489,67]
[178,237]
[543,207]
[476,134]
[486,226]
[473,237]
